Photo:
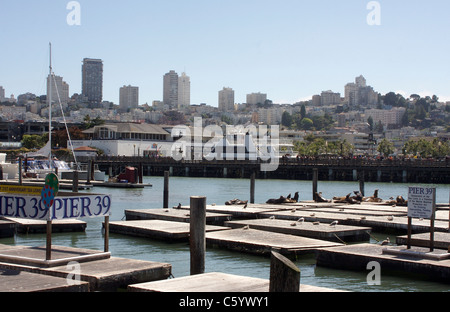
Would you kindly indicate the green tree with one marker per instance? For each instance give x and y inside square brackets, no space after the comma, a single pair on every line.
[306,124]
[286,119]
[386,147]
[34,141]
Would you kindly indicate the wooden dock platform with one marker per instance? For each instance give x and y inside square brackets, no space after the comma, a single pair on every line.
[157,229]
[58,226]
[171,214]
[106,274]
[441,240]
[337,233]
[263,242]
[20,281]
[356,257]
[215,282]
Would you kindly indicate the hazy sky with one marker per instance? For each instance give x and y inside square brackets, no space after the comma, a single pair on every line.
[289,49]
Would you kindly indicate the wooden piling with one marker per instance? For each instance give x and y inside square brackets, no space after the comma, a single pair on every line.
[106,225]
[197,239]
[361,182]
[48,250]
[166,190]
[315,179]
[75,181]
[88,175]
[252,188]
[20,170]
[284,274]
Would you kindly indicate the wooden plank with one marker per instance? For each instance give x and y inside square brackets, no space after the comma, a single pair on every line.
[323,231]
[171,214]
[17,281]
[215,282]
[38,226]
[356,257]
[263,242]
[157,229]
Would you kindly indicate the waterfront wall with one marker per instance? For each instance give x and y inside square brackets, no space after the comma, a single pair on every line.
[329,169]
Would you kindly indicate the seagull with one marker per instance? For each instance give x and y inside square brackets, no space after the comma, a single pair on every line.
[272,218]
[316,223]
[246,227]
[312,215]
[334,223]
[301,220]
[245,206]
[363,218]
[166,210]
[294,210]
[294,224]
[342,209]
[390,218]
[387,241]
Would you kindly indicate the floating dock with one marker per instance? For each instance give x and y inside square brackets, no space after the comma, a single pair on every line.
[263,242]
[441,240]
[157,229]
[102,274]
[356,257]
[7,228]
[215,282]
[171,214]
[335,233]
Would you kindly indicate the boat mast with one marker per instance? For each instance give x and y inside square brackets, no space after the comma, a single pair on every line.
[50,109]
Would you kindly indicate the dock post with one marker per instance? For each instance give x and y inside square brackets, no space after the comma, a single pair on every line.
[315,179]
[284,274]
[88,174]
[75,182]
[106,247]
[166,189]
[361,182]
[20,170]
[141,173]
[252,187]
[197,238]
[48,249]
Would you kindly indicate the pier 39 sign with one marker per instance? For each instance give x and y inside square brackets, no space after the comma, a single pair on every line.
[421,202]
[66,206]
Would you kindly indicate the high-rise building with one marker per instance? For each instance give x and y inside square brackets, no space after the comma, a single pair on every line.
[170,89]
[92,87]
[256,98]
[60,89]
[2,94]
[328,98]
[226,100]
[360,94]
[129,98]
[184,91]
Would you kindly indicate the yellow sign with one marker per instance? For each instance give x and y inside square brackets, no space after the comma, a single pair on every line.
[21,189]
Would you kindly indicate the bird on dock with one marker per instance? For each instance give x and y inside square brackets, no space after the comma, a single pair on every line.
[245,206]
[313,214]
[247,227]
[334,223]
[301,220]
[272,218]
[387,241]
[293,224]
[294,210]
[166,210]
[316,223]
[363,218]
[390,218]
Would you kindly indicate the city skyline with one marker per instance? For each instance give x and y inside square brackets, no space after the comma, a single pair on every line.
[289,50]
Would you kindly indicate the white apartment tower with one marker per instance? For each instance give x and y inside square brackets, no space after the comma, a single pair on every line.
[184,91]
[226,100]
[256,98]
[60,90]
[170,89]
[129,98]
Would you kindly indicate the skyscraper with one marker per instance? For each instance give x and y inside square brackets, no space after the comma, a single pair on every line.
[92,88]
[129,98]
[184,91]
[170,89]
[226,100]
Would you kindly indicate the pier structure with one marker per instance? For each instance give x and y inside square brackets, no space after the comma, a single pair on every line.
[328,169]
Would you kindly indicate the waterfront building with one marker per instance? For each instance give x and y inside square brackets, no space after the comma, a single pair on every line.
[184,91]
[129,98]
[226,100]
[92,80]
[170,89]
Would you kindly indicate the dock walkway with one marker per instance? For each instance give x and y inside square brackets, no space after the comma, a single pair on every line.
[171,214]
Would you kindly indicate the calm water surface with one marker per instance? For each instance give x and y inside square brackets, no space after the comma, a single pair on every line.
[219,260]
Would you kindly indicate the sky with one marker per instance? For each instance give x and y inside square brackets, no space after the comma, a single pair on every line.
[288,49]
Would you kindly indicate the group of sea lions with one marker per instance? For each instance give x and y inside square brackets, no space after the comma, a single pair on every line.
[358,198]
[284,200]
[236,202]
